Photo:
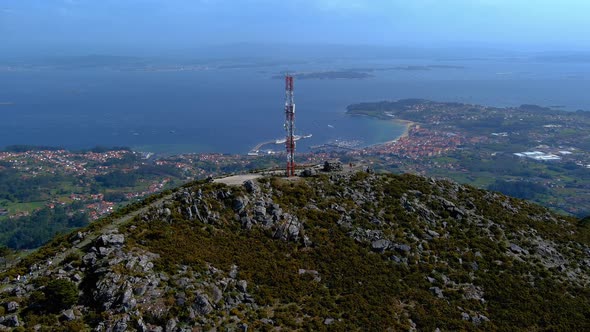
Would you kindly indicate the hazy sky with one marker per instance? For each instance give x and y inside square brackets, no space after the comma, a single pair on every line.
[91,25]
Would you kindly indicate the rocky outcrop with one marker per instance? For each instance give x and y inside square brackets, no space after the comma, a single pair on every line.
[441,236]
[332,166]
[308,172]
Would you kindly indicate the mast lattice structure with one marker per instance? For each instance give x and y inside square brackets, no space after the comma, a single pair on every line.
[290,125]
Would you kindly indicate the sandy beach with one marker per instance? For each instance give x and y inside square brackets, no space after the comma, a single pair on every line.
[407,123]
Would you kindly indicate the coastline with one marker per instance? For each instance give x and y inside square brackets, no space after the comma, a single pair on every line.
[408,125]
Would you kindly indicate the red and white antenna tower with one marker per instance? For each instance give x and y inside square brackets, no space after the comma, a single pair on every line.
[290,125]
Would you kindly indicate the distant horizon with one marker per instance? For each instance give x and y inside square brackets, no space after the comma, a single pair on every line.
[301,50]
[148,27]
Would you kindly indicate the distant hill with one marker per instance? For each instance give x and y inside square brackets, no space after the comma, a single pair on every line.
[339,252]
[26,148]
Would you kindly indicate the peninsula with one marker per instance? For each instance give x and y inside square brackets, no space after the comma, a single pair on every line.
[529,151]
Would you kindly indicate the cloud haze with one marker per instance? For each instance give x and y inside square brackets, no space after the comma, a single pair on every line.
[27,24]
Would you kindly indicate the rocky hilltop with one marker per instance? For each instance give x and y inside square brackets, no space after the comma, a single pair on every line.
[328,252]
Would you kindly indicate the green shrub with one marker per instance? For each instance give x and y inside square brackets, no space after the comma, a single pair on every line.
[60,294]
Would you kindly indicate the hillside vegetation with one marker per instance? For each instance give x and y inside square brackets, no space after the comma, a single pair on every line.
[333,252]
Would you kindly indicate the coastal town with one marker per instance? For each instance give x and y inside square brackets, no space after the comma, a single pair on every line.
[67,175]
[36,162]
[502,149]
[85,179]
[419,143]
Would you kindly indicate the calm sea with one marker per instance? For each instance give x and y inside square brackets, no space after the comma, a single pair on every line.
[231,110]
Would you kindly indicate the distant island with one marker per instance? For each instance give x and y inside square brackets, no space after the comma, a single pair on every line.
[406,68]
[361,73]
[328,75]
[430,67]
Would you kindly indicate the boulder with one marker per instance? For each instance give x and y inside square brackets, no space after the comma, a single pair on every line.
[433,233]
[76,238]
[18,291]
[289,229]
[437,291]
[314,273]
[202,306]
[478,319]
[402,247]
[180,299]
[89,259]
[308,172]
[240,204]
[267,321]
[233,272]
[380,245]
[221,194]
[246,222]
[127,299]
[517,249]
[242,286]
[472,292]
[121,325]
[416,193]
[10,321]
[12,306]
[106,290]
[259,211]
[332,166]
[251,187]
[76,278]
[111,240]
[217,294]
[171,325]
[140,325]
[103,251]
[68,314]
[198,213]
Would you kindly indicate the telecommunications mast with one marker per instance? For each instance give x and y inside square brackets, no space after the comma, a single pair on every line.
[290,125]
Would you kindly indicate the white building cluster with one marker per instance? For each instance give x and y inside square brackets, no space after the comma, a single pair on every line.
[538,155]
